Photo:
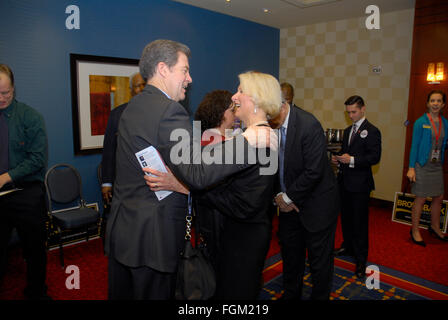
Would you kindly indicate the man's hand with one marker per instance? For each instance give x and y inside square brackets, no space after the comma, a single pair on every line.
[4,179]
[345,158]
[164,181]
[334,160]
[283,206]
[107,194]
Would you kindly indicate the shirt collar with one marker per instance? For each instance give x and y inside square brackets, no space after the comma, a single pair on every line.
[285,123]
[165,93]
[359,122]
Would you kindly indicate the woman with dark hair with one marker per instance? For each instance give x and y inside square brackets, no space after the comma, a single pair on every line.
[425,172]
[216,115]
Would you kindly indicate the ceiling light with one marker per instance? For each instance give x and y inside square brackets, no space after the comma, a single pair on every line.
[265,10]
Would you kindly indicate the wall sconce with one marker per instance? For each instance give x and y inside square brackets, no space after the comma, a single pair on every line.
[435,73]
[439,71]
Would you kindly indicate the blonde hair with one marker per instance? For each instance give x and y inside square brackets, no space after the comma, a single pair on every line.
[264,90]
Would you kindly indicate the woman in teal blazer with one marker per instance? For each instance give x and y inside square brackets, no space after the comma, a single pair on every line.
[425,172]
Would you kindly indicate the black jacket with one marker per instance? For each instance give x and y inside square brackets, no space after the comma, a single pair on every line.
[310,182]
[366,150]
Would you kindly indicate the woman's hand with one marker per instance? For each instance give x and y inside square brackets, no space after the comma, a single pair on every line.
[261,137]
[411,174]
[164,181]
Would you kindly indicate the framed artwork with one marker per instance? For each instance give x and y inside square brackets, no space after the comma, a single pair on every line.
[98,85]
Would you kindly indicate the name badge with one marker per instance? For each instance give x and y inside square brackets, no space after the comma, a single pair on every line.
[425,126]
[435,155]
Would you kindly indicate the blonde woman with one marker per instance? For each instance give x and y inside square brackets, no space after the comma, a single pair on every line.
[244,200]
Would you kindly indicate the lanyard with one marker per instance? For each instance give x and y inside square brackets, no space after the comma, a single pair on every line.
[437,134]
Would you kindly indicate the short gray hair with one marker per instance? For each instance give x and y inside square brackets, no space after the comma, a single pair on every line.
[160,51]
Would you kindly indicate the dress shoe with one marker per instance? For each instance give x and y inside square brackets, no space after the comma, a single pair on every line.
[360,271]
[420,243]
[435,234]
[342,252]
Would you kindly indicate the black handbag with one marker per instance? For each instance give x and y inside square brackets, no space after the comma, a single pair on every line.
[195,274]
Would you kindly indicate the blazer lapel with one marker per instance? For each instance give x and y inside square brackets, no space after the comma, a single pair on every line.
[290,134]
[360,129]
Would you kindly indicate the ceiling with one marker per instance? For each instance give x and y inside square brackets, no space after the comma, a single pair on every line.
[289,13]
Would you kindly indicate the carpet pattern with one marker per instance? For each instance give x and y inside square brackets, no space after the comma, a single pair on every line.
[346,286]
[422,271]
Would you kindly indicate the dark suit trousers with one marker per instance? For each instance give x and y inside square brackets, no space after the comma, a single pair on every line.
[294,241]
[25,211]
[141,283]
[355,223]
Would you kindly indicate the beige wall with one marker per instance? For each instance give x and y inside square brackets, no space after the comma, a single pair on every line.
[328,62]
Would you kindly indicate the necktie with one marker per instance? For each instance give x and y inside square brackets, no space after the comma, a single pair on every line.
[4,144]
[353,134]
[282,157]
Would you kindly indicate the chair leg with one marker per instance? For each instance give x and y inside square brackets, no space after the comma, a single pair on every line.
[61,251]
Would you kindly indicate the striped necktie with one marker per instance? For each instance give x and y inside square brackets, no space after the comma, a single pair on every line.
[353,134]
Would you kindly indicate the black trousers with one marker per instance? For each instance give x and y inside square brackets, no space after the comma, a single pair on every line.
[295,240]
[25,210]
[141,283]
[355,223]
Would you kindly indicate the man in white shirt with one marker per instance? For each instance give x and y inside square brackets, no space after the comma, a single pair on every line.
[308,202]
[361,149]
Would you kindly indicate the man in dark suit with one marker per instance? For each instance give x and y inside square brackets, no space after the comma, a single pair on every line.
[145,236]
[110,140]
[308,203]
[288,93]
[361,149]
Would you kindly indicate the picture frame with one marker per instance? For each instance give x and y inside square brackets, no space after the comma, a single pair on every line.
[98,84]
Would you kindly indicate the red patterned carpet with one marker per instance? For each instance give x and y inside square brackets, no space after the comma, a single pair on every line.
[390,246]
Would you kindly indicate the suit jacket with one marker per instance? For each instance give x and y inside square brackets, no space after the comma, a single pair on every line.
[141,230]
[110,145]
[309,180]
[366,150]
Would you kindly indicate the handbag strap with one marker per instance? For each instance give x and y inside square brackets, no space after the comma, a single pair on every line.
[188,218]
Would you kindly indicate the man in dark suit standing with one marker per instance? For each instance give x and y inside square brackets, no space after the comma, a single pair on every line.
[145,236]
[361,149]
[308,202]
[110,140]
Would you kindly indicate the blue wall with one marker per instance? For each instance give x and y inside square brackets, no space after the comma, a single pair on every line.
[35,43]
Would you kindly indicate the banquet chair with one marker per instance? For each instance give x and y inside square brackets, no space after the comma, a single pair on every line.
[64,187]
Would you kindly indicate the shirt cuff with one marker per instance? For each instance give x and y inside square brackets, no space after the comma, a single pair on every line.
[287,200]
[352,162]
[106,185]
